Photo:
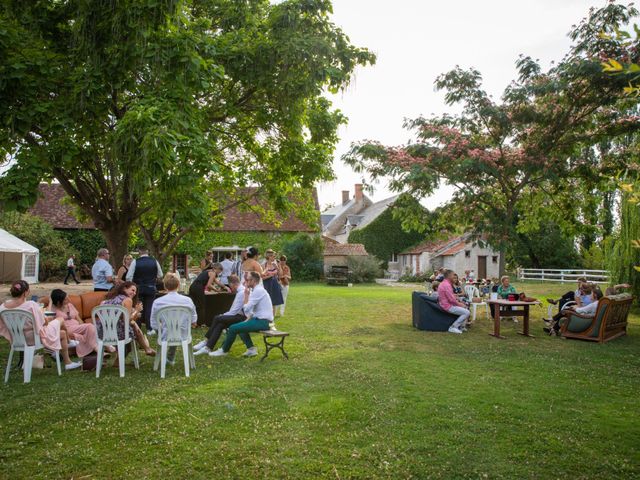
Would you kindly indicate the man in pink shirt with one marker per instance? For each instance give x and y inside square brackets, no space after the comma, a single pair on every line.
[449,302]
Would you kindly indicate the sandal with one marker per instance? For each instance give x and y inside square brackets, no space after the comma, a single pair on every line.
[150,353]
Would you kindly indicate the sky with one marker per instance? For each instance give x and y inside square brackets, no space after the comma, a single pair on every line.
[417,40]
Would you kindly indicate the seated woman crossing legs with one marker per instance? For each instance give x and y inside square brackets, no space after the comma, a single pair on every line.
[225,320]
[259,311]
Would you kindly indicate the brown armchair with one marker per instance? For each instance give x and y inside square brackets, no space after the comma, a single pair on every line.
[609,322]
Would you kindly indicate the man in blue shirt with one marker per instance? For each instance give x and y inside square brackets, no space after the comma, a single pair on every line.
[102,272]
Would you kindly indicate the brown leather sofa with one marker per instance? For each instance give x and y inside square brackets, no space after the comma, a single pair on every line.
[84,303]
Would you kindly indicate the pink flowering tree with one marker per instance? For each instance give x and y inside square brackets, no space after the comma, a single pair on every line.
[535,156]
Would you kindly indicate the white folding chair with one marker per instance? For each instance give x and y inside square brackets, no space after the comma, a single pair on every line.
[171,320]
[471,291]
[15,319]
[109,315]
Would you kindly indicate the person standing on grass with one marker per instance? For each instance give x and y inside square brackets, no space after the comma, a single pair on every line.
[227,268]
[259,311]
[102,272]
[145,271]
[450,303]
[285,280]
[225,320]
[71,270]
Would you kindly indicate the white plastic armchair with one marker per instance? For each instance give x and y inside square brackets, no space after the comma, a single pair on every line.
[109,315]
[172,320]
[472,292]
[15,319]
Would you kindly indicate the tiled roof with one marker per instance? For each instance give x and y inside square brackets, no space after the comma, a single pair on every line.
[433,246]
[455,249]
[51,208]
[333,248]
[58,214]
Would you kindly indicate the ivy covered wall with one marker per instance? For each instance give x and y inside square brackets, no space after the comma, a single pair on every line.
[385,236]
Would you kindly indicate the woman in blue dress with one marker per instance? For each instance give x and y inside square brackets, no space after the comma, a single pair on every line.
[271,273]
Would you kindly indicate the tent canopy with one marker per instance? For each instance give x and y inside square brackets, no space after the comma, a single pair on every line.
[11,243]
[18,259]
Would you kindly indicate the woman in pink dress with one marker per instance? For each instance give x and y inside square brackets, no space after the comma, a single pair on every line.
[83,333]
[52,335]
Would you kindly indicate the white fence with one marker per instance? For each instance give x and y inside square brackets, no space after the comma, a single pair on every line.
[562,275]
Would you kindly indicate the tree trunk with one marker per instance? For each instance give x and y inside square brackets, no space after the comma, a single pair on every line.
[117,237]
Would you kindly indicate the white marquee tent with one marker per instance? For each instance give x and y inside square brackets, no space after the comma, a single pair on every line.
[18,259]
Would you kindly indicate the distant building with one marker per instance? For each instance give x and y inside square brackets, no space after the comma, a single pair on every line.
[336,253]
[456,253]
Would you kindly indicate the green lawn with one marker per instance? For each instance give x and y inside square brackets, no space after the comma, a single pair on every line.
[364,395]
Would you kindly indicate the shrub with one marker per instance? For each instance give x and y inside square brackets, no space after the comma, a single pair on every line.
[305,256]
[420,278]
[364,269]
[85,244]
[54,250]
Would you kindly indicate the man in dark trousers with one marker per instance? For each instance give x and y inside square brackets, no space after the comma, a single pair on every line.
[71,270]
[144,272]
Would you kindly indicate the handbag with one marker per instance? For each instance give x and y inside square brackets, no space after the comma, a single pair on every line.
[89,362]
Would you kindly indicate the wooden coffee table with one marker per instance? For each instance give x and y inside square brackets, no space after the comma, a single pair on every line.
[499,312]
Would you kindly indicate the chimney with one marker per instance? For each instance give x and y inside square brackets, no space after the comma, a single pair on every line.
[359,195]
[345,197]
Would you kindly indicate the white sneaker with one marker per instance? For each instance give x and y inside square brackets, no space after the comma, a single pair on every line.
[151,333]
[73,343]
[201,345]
[72,366]
[251,352]
[454,330]
[171,362]
[218,353]
[202,351]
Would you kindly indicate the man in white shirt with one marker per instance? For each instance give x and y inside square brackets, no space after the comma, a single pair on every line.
[227,268]
[225,320]
[71,270]
[259,311]
[173,299]
[102,272]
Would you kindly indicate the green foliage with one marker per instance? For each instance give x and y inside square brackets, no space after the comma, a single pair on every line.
[304,256]
[85,244]
[385,235]
[547,247]
[594,258]
[54,249]
[624,260]
[420,278]
[161,113]
[364,269]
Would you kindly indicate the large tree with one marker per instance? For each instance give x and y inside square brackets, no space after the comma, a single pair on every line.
[160,112]
[513,162]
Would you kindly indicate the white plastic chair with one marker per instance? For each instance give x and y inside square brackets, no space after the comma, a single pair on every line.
[471,291]
[15,319]
[170,320]
[109,315]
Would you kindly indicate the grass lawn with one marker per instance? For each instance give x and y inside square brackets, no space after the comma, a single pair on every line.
[364,395]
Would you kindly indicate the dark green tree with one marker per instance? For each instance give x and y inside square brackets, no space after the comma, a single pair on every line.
[156,113]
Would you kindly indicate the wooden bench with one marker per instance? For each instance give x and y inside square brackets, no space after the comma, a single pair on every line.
[269,346]
[338,275]
[609,322]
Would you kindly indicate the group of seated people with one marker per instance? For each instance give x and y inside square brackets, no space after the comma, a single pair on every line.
[60,328]
[453,299]
[583,301]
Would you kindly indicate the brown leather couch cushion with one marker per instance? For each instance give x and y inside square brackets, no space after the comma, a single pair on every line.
[84,303]
[90,300]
